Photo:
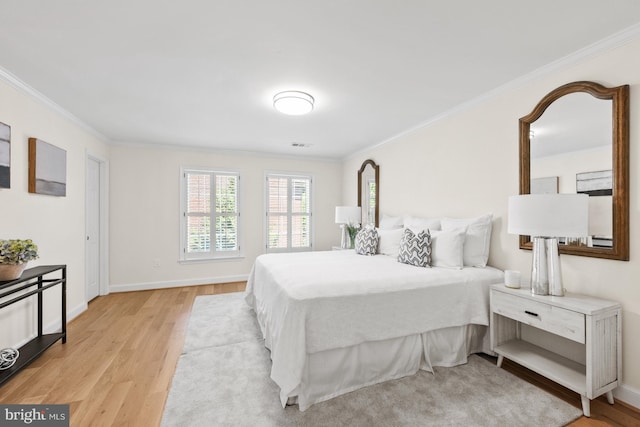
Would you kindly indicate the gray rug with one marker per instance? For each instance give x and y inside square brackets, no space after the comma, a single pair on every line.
[222,379]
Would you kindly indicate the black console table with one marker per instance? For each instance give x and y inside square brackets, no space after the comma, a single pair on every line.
[21,286]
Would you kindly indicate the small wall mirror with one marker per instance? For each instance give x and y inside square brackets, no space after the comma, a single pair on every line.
[368,192]
[576,140]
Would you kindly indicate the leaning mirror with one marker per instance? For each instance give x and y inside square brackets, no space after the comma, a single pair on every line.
[576,140]
[368,192]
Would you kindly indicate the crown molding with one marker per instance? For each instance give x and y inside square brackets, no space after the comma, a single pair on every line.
[23,87]
[611,42]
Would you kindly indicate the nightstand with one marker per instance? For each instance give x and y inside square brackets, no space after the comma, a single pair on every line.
[593,323]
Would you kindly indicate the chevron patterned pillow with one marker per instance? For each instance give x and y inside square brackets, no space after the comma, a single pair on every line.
[367,241]
[415,249]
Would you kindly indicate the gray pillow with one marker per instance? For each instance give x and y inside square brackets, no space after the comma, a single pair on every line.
[367,241]
[415,249]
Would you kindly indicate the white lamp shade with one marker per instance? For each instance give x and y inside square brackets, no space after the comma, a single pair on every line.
[293,103]
[348,215]
[549,215]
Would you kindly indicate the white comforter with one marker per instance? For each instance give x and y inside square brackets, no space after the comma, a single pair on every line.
[310,302]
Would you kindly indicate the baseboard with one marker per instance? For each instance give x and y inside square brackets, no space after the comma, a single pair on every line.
[176,283]
[71,314]
[628,395]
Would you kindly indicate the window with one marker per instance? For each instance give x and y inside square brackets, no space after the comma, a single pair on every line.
[288,212]
[210,214]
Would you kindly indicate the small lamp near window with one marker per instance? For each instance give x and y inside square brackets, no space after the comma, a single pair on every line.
[545,217]
[347,215]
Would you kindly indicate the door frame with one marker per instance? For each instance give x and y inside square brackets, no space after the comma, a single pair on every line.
[103,287]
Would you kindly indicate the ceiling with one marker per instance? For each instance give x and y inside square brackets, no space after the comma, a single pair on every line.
[202,73]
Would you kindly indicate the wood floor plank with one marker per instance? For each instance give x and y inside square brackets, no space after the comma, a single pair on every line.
[105,412]
[117,365]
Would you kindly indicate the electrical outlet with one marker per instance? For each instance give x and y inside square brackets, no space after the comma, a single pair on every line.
[156,262]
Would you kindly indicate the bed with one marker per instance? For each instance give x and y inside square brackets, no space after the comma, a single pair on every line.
[337,321]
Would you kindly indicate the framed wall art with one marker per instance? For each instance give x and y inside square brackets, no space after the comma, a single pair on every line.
[47,168]
[598,183]
[546,185]
[5,156]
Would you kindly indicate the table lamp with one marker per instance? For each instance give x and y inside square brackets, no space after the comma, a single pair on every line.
[545,217]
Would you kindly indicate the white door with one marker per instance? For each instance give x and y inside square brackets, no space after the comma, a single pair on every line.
[93,229]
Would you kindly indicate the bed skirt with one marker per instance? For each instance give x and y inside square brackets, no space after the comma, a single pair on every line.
[334,372]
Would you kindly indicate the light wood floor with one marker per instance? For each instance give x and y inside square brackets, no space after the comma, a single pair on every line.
[120,356]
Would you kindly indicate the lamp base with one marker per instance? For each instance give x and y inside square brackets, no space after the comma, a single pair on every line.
[539,270]
[553,264]
[345,243]
[546,275]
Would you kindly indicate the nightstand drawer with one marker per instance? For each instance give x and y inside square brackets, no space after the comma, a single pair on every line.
[559,321]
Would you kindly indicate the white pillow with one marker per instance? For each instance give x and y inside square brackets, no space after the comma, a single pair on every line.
[477,240]
[447,248]
[389,241]
[390,222]
[418,224]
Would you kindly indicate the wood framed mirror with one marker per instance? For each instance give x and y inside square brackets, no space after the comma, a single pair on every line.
[577,140]
[369,192]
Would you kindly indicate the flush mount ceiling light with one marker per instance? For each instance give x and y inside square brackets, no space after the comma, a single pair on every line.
[293,102]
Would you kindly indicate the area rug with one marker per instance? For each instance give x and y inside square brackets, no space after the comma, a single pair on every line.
[222,379]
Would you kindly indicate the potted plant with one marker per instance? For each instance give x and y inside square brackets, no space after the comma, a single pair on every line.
[14,255]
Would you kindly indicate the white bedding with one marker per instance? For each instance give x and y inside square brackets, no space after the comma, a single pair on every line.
[311,302]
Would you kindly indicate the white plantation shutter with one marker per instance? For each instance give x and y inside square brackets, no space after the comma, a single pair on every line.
[288,212]
[198,212]
[210,214]
[277,212]
[226,212]
[300,212]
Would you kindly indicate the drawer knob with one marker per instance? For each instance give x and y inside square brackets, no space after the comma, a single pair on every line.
[531,313]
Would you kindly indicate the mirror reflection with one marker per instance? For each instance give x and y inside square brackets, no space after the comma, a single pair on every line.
[368,181]
[571,152]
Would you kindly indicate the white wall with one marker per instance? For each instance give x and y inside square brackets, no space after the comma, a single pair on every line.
[145,212]
[56,224]
[467,164]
